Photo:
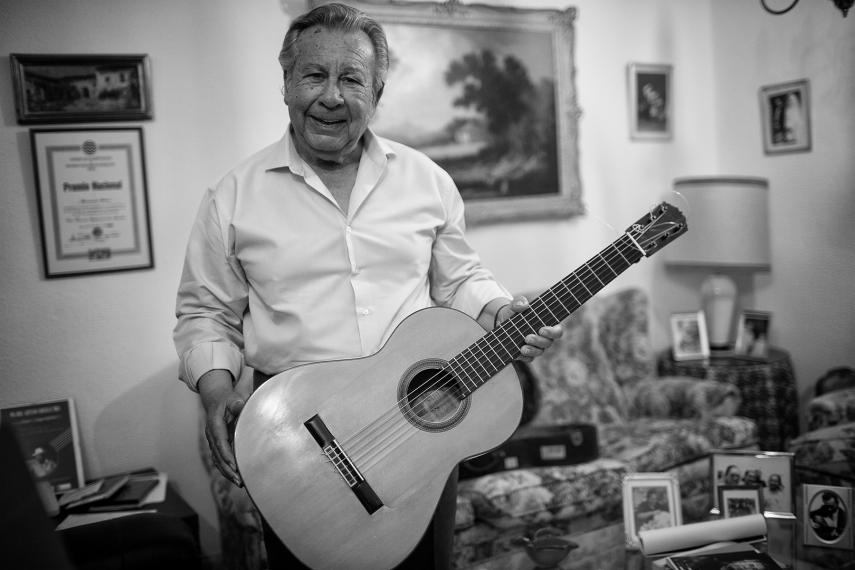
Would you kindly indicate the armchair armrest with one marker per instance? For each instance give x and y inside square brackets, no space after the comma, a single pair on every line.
[683,397]
[832,408]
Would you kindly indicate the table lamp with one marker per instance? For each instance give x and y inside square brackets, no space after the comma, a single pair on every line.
[728,218]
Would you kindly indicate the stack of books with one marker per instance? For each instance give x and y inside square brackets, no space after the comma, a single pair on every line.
[725,555]
[126,491]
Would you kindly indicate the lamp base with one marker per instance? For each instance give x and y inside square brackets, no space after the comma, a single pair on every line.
[718,294]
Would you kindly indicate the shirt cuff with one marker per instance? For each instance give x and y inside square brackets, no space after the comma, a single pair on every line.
[209,356]
[472,298]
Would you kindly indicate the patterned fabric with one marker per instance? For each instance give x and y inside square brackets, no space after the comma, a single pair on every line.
[829,450]
[831,409]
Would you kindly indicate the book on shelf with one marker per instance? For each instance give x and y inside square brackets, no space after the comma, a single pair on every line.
[47,434]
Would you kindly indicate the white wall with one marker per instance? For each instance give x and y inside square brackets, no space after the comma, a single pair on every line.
[106,340]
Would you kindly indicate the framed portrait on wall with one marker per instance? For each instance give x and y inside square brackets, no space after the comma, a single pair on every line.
[785,117]
[513,157]
[93,201]
[650,101]
[81,88]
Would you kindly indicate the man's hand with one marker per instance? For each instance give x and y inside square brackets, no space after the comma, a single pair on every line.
[222,406]
[535,343]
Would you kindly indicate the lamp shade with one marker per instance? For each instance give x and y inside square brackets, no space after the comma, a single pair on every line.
[728,217]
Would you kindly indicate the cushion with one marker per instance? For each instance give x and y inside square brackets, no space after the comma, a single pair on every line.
[831,409]
[605,346]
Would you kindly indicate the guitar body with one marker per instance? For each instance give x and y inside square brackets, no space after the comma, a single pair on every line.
[402,433]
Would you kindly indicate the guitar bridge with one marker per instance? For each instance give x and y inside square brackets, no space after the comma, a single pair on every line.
[345,467]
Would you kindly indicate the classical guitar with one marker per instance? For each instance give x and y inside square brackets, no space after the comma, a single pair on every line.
[346,459]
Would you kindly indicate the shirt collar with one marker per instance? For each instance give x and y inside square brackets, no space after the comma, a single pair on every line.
[284,155]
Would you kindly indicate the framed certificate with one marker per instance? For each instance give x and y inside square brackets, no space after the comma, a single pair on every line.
[93,201]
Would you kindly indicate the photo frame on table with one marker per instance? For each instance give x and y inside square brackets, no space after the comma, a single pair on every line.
[650,501]
[827,516]
[785,117]
[739,501]
[752,334]
[93,200]
[689,339]
[513,157]
[650,101]
[769,471]
[65,88]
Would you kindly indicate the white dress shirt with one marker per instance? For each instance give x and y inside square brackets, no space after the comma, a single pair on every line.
[278,274]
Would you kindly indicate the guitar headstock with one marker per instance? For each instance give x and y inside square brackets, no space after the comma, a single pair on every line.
[657,228]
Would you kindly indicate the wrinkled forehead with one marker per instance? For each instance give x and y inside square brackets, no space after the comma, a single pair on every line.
[320,43]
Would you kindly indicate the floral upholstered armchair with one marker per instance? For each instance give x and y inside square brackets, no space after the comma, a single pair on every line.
[601,373]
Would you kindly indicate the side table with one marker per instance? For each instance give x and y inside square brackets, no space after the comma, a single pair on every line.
[768,389]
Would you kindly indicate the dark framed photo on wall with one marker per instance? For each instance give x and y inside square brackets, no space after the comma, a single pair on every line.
[513,157]
[650,101]
[93,200]
[66,88]
[785,117]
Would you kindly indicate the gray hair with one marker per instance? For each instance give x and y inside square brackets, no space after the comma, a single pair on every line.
[345,18]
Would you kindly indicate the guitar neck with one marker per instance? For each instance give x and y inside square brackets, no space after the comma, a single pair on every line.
[484,358]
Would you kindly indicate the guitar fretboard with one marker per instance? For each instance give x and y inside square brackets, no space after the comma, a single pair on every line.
[487,356]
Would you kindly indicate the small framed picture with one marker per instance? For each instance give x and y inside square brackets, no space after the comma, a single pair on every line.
[739,501]
[785,112]
[828,516]
[769,471]
[650,116]
[81,88]
[689,336]
[752,334]
[650,501]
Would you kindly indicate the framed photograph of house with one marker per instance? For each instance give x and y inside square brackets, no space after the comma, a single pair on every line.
[827,516]
[513,157]
[93,202]
[769,471]
[650,106]
[785,117]
[689,336]
[752,334]
[650,501]
[81,88]
[740,501]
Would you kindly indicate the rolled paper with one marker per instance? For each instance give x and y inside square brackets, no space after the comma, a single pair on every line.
[676,538]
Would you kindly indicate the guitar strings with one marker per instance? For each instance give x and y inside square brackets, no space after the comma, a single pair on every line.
[365,446]
[365,434]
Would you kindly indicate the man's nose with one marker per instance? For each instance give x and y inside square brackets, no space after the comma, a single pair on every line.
[331,95]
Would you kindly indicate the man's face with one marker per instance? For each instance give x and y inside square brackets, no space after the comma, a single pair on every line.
[329,93]
[774,483]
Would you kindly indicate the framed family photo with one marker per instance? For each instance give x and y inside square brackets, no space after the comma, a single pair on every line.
[739,501]
[770,472]
[752,334]
[513,157]
[81,88]
[650,107]
[689,339]
[650,501]
[785,117]
[828,517]
[93,201]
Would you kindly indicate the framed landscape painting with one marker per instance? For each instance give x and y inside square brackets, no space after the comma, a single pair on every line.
[488,93]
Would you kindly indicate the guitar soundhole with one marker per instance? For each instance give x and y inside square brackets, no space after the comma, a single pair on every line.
[430,396]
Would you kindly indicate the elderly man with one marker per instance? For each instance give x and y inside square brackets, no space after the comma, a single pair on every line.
[319,245]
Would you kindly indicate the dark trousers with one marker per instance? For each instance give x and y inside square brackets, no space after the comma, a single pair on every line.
[433,552]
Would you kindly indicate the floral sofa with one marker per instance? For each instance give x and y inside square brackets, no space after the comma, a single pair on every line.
[600,373]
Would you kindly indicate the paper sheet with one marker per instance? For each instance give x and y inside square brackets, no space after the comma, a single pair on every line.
[72,521]
[666,540]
